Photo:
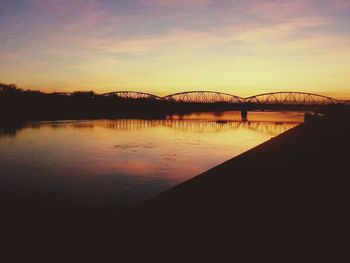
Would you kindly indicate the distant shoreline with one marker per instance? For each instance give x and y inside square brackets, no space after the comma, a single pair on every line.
[22,105]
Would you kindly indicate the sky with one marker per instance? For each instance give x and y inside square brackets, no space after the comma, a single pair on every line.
[242,47]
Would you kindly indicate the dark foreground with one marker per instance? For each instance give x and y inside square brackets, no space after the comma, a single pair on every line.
[285,199]
[288,195]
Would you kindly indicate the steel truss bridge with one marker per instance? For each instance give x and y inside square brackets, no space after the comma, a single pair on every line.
[288,98]
[131,95]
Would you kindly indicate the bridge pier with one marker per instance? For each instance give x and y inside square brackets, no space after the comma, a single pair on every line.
[244,115]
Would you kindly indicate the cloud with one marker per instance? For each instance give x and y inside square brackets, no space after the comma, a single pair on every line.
[182,42]
[176,3]
[64,7]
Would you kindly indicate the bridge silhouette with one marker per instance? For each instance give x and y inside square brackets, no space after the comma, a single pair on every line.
[197,100]
[272,98]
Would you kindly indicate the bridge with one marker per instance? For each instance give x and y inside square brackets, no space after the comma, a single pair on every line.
[203,97]
[212,100]
[291,98]
[209,97]
[131,95]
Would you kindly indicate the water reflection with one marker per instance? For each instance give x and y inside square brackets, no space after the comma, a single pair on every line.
[271,128]
[125,161]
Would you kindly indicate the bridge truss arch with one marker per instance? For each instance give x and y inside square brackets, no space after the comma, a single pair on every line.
[291,98]
[203,97]
[131,95]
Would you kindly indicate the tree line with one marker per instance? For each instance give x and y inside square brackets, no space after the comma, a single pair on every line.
[20,104]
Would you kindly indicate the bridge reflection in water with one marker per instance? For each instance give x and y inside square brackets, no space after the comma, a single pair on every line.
[268,123]
[271,123]
[201,126]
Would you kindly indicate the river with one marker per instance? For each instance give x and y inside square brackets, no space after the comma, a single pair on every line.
[125,161]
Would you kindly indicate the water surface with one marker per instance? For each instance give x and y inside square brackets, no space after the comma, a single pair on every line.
[125,161]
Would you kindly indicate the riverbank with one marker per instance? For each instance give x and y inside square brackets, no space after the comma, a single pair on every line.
[288,194]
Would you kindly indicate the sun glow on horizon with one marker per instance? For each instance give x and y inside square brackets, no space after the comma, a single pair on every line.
[167,46]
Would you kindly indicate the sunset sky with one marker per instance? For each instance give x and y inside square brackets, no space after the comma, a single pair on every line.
[166,46]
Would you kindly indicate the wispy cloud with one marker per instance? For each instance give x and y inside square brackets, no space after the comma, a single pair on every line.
[174,3]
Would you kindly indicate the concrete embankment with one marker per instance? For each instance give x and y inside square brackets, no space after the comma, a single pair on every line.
[290,191]
[292,164]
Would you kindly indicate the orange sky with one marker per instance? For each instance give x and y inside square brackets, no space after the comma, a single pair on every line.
[166,46]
